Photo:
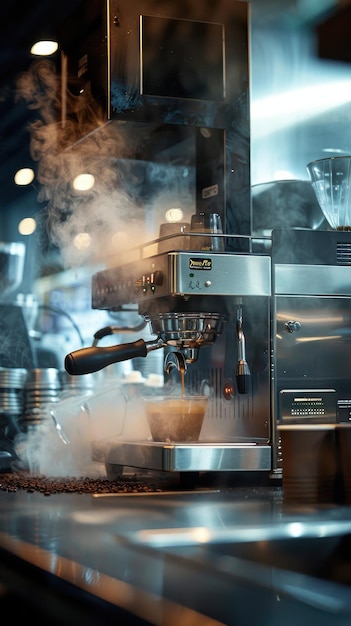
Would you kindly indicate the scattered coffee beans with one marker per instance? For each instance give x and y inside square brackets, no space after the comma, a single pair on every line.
[48,486]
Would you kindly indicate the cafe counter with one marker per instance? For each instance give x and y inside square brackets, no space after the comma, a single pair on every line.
[89,552]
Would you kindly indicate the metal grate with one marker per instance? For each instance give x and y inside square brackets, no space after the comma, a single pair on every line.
[343,253]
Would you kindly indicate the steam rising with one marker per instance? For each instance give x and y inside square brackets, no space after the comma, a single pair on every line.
[42,452]
[92,226]
[83,143]
[61,444]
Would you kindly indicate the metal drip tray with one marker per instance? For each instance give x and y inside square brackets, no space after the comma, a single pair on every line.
[185,457]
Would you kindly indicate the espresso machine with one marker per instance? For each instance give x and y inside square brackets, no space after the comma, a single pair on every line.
[210,312]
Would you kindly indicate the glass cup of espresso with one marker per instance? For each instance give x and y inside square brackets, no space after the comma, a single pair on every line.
[175,418]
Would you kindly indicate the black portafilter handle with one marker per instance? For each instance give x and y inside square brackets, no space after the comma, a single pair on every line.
[93,359]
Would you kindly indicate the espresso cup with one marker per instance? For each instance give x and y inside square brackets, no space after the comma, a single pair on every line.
[309,462]
[343,438]
[175,418]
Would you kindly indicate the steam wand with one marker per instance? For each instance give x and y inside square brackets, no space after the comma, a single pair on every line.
[112,329]
[242,373]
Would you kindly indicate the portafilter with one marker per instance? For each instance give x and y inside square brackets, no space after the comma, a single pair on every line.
[187,332]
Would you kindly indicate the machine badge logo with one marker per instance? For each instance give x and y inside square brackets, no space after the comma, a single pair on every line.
[200,264]
[209,192]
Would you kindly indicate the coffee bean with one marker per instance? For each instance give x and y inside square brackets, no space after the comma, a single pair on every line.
[48,486]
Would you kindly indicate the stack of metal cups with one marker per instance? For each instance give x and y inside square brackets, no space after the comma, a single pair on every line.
[11,409]
[42,388]
[76,385]
[11,399]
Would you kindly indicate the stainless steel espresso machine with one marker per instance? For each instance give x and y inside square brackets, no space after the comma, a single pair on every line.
[210,312]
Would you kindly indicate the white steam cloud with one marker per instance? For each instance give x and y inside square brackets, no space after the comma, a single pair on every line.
[122,210]
[69,434]
[85,143]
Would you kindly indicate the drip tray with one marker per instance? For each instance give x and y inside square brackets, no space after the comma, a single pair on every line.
[184,457]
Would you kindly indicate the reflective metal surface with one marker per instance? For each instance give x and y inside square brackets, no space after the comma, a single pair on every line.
[184,274]
[211,557]
[183,457]
[311,320]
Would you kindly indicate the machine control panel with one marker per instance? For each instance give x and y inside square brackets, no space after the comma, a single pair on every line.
[182,273]
[150,282]
[130,283]
[344,410]
[307,405]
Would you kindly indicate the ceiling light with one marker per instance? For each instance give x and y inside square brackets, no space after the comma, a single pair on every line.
[82,241]
[27,226]
[24,176]
[174,215]
[44,48]
[83,182]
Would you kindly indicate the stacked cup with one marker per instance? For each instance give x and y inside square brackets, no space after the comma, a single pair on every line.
[42,387]
[343,440]
[309,463]
[11,398]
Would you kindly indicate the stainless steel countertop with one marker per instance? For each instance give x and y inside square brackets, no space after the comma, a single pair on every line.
[178,557]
